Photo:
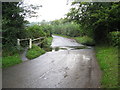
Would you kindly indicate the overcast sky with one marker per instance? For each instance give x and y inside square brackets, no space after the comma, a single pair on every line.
[51,10]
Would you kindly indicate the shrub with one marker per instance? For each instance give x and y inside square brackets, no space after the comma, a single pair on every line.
[47,29]
[35,31]
[114,38]
[46,44]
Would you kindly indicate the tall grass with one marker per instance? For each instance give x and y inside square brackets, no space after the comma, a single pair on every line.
[8,61]
[85,40]
[108,60]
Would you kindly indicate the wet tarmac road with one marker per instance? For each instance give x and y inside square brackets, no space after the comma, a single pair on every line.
[70,68]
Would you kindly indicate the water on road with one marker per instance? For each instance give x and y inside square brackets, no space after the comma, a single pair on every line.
[65,68]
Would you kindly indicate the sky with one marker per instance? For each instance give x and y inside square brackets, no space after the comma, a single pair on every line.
[50,10]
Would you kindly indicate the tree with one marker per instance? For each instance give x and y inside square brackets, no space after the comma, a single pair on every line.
[13,23]
[35,31]
[96,18]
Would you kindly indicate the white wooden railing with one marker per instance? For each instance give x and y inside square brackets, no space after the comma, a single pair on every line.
[30,41]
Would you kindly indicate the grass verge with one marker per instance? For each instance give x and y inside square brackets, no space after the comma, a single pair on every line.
[8,61]
[34,52]
[85,40]
[108,60]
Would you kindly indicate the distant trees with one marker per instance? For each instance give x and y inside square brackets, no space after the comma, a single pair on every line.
[94,19]
[65,28]
[97,19]
[35,31]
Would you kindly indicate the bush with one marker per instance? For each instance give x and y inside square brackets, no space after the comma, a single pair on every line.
[46,44]
[47,29]
[34,52]
[114,38]
[35,32]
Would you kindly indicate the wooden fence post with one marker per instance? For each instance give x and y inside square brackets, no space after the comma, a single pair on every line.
[30,46]
[18,42]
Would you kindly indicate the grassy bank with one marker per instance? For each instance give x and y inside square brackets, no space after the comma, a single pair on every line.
[34,52]
[108,60]
[85,40]
[8,61]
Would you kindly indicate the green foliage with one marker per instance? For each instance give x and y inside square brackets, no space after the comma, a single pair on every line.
[47,29]
[34,52]
[13,27]
[97,19]
[12,24]
[85,40]
[11,51]
[8,61]
[114,38]
[108,60]
[46,44]
[66,28]
[35,31]
[49,41]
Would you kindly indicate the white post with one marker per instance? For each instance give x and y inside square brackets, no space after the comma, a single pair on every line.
[18,42]
[30,46]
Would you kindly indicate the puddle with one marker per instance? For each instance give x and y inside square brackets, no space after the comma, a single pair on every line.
[70,48]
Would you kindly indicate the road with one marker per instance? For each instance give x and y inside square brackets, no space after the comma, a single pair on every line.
[65,68]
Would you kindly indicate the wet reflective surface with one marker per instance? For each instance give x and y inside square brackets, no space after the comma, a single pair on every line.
[68,65]
[23,55]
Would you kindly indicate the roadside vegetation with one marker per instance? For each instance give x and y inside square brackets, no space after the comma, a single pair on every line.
[47,45]
[11,60]
[108,60]
[15,27]
[95,24]
[34,52]
[99,21]
[85,40]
